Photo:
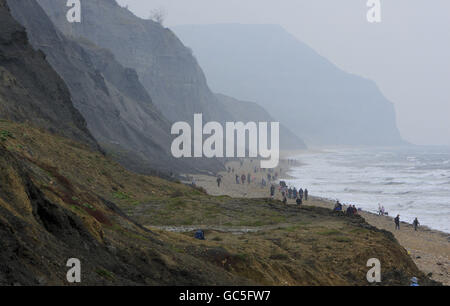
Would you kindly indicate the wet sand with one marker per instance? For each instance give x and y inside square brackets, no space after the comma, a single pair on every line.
[430,249]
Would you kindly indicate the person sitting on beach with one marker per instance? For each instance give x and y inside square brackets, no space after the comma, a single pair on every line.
[349,210]
[338,206]
[416,223]
[397,222]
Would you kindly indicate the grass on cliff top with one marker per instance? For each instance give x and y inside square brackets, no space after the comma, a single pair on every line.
[69,161]
[293,246]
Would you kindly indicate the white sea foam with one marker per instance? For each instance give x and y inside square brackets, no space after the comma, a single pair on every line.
[412,182]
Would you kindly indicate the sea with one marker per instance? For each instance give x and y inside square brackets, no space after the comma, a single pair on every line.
[410,181]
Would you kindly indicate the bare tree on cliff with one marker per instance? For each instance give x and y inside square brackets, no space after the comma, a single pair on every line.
[158,15]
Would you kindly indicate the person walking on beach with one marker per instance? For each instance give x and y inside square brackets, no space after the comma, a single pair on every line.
[272,191]
[243,179]
[249,178]
[416,223]
[237,179]
[219,180]
[306,194]
[397,222]
[300,193]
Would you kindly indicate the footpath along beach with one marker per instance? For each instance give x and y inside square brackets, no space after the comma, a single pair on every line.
[430,249]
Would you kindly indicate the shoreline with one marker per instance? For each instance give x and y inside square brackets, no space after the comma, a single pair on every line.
[429,248]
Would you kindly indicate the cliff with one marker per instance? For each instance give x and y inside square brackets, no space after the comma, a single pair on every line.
[315,99]
[30,90]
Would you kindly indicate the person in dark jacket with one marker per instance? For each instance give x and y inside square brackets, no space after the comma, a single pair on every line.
[272,191]
[397,222]
[416,223]
[219,180]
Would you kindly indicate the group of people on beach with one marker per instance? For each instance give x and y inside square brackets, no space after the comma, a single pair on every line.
[350,211]
[290,193]
[415,223]
[300,194]
[382,212]
[248,178]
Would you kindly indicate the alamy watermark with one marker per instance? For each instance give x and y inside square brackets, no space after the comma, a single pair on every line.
[234,139]
[374,274]
[374,12]
[74,273]
[74,13]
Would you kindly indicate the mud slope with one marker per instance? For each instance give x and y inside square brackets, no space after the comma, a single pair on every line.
[30,90]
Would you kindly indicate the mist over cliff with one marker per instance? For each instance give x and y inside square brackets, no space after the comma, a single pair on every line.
[315,99]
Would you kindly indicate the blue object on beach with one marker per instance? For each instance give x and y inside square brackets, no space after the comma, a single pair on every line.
[199,235]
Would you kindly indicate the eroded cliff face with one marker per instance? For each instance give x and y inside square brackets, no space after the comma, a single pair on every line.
[30,90]
[165,66]
[118,109]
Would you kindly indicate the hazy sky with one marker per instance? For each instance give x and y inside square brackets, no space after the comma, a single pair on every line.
[407,54]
